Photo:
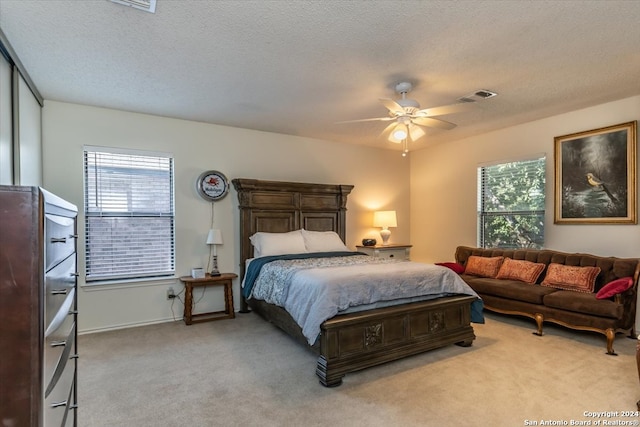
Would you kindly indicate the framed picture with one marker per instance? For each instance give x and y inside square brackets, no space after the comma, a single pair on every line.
[595,176]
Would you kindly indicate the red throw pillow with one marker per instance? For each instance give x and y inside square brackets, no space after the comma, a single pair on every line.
[458,268]
[615,287]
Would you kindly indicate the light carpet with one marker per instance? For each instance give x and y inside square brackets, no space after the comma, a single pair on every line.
[247,372]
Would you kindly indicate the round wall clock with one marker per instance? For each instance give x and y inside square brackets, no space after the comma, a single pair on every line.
[212,185]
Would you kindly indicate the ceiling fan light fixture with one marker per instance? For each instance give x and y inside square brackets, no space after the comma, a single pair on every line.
[400,132]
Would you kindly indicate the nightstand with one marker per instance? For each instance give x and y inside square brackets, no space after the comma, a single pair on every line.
[387,251]
[226,280]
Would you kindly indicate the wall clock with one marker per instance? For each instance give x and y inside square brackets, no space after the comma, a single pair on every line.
[212,185]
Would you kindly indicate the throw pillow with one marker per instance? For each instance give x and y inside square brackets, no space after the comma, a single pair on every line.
[524,271]
[571,278]
[458,268]
[615,287]
[483,266]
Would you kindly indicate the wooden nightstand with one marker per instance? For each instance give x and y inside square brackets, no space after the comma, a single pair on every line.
[387,251]
[226,280]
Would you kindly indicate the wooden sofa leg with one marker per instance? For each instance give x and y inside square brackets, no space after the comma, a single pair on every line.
[611,335]
[539,321]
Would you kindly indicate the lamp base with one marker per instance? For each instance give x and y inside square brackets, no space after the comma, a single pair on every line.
[385,233]
[214,266]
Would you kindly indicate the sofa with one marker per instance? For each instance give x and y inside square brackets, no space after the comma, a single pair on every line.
[575,290]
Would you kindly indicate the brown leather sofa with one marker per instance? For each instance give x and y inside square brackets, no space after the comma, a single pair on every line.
[576,310]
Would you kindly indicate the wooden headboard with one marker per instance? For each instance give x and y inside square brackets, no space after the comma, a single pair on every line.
[279,207]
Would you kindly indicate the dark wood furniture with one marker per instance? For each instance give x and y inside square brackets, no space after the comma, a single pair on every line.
[355,341]
[38,282]
[226,280]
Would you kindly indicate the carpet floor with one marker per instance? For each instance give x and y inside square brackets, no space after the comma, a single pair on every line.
[246,372]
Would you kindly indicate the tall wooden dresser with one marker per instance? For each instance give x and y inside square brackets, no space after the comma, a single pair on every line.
[38,308]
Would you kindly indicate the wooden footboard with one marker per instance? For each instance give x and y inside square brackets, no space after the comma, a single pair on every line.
[355,341]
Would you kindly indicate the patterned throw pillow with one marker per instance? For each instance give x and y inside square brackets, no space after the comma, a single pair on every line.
[524,271]
[483,266]
[581,279]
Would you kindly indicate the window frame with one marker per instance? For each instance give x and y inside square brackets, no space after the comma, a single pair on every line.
[483,213]
[104,215]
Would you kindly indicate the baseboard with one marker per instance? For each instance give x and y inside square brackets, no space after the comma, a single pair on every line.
[126,326]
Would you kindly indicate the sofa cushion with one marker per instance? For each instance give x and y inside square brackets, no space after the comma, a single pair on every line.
[571,278]
[511,289]
[483,266]
[584,303]
[525,271]
[615,287]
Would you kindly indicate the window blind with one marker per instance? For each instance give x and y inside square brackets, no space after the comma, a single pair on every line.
[129,215]
[511,204]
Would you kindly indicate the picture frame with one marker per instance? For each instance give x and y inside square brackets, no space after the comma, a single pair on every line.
[595,176]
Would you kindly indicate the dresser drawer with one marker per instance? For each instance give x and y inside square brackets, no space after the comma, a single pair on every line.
[59,404]
[392,253]
[59,285]
[60,239]
[59,348]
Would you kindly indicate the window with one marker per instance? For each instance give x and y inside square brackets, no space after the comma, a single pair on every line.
[511,204]
[129,214]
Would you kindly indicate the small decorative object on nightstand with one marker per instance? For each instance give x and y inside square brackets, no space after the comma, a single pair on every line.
[387,251]
[385,219]
[224,279]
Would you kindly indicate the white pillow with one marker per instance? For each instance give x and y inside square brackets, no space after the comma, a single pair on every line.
[323,241]
[266,244]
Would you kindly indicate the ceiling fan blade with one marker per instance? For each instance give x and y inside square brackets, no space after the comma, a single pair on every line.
[387,133]
[445,109]
[415,132]
[376,119]
[434,123]
[393,106]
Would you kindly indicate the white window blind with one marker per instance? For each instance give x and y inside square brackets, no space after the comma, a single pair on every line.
[129,214]
[511,200]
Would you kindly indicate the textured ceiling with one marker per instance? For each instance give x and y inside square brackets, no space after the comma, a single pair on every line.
[298,67]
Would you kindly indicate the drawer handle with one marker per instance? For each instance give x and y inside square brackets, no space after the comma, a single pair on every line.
[59,404]
[73,311]
[74,274]
[59,291]
[58,240]
[391,256]
[74,356]
[58,343]
[73,406]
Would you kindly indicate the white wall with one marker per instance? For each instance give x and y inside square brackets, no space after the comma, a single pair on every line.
[381,179]
[444,186]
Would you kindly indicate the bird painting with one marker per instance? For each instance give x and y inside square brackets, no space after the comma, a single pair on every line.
[599,185]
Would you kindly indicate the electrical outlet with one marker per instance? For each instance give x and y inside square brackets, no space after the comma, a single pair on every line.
[170,293]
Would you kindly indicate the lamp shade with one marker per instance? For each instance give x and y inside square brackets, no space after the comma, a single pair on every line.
[384,219]
[214,237]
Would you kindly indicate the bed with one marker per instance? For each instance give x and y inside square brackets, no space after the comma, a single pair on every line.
[356,340]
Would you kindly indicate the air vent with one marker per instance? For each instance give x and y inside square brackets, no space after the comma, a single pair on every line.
[478,95]
[146,5]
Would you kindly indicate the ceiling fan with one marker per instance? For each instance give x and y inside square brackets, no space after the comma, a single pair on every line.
[408,118]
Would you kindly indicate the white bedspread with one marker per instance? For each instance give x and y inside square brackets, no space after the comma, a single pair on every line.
[313,290]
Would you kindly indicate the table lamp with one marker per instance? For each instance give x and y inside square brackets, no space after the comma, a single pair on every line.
[385,219]
[214,238]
